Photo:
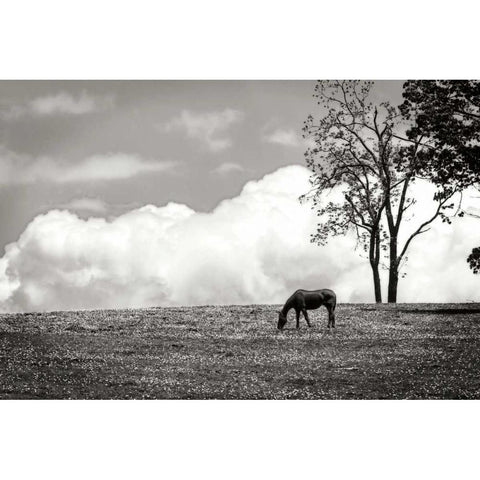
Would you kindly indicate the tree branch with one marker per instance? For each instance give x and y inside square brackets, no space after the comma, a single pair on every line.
[423,225]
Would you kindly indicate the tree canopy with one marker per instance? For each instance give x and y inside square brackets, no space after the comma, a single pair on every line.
[446,116]
[360,147]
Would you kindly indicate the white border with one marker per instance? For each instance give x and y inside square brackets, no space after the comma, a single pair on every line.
[251,39]
[239,439]
[238,40]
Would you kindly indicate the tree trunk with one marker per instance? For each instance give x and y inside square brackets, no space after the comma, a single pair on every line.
[374,257]
[393,271]
[392,285]
[376,284]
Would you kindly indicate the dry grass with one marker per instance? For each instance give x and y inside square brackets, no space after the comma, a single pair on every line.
[235,352]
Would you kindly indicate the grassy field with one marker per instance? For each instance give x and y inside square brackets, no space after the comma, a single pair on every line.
[235,352]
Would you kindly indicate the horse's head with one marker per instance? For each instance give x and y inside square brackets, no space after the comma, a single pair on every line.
[282,320]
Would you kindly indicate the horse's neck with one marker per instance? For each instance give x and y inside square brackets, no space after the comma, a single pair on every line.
[288,305]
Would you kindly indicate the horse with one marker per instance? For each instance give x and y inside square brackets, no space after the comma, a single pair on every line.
[303,300]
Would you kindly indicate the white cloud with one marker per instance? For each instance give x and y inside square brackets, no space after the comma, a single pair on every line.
[437,270]
[228,167]
[253,248]
[85,204]
[209,127]
[61,103]
[24,169]
[90,206]
[286,137]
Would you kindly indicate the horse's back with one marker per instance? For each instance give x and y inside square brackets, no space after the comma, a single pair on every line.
[315,298]
[324,292]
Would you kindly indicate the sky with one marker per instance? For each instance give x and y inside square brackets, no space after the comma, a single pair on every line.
[144,193]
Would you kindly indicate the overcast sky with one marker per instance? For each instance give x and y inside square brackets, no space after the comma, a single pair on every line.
[141,193]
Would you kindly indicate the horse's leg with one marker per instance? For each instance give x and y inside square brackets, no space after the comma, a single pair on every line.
[331,316]
[298,318]
[305,314]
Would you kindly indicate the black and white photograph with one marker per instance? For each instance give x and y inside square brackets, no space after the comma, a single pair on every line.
[239,240]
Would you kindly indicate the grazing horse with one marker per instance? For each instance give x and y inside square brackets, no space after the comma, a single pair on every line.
[303,300]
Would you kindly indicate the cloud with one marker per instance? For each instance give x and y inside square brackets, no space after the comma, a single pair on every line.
[286,137]
[437,270]
[91,206]
[61,103]
[85,204]
[228,167]
[253,248]
[25,169]
[210,128]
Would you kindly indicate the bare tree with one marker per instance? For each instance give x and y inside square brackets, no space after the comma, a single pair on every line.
[359,150]
[343,157]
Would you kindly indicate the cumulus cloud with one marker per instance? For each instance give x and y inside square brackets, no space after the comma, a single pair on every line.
[24,169]
[91,206]
[85,204]
[61,103]
[210,128]
[437,270]
[253,248]
[228,167]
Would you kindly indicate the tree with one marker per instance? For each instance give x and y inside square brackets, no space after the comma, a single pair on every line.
[359,150]
[474,260]
[340,158]
[446,113]
[398,179]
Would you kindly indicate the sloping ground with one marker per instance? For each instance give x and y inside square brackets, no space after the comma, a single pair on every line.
[402,351]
